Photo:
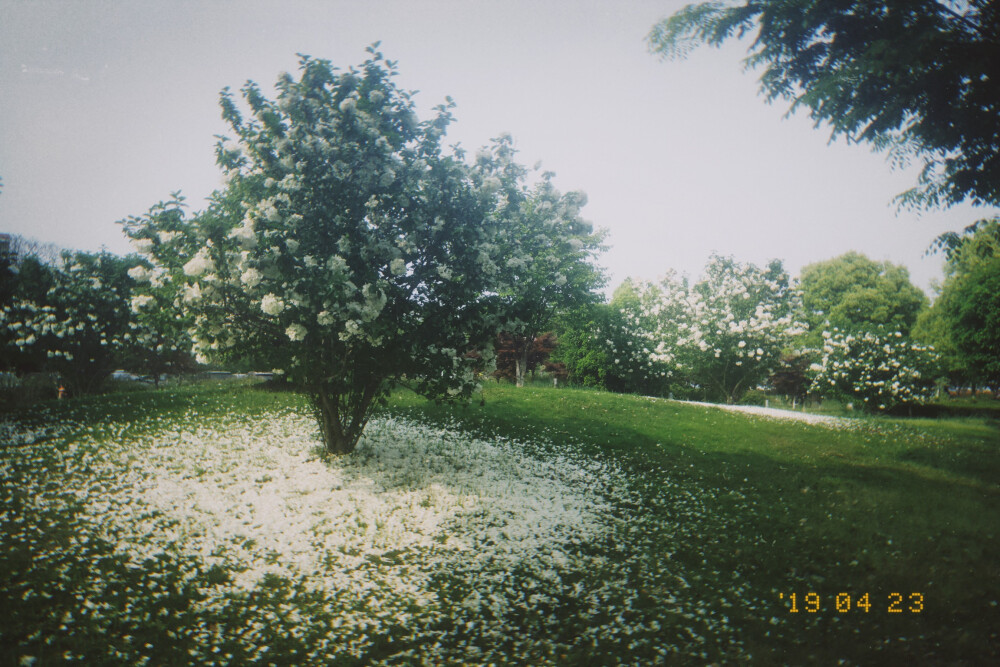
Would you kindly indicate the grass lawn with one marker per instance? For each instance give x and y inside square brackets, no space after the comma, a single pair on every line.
[204,525]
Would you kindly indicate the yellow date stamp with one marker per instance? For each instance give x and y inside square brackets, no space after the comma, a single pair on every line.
[845,603]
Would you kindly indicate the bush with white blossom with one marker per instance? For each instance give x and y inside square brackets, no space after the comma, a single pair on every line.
[877,369]
[723,334]
[348,250]
[158,310]
[81,326]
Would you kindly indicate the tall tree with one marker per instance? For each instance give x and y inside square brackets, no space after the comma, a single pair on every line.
[548,250]
[914,77]
[852,292]
[968,308]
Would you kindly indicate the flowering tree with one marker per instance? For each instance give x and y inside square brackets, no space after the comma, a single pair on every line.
[725,333]
[158,303]
[547,248]
[348,251]
[879,369]
[81,325]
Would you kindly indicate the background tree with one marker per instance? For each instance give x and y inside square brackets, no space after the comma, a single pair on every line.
[934,329]
[510,358]
[630,338]
[81,326]
[741,320]
[852,293]
[348,251]
[791,376]
[973,306]
[27,281]
[914,77]
[548,250]
[581,349]
[966,315]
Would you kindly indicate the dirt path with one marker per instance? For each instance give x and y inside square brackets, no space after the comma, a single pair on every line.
[775,413]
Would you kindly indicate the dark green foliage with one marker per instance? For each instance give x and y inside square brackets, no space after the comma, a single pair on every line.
[852,293]
[964,322]
[913,77]
[972,303]
[579,349]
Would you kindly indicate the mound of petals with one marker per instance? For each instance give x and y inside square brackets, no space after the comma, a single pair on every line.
[261,499]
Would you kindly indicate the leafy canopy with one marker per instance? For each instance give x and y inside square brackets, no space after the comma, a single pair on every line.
[853,292]
[965,318]
[914,77]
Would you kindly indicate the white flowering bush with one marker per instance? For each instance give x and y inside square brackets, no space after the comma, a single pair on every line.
[348,251]
[628,340]
[158,308]
[724,334]
[78,322]
[878,369]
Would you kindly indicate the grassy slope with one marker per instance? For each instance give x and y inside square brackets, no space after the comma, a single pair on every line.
[892,506]
[906,506]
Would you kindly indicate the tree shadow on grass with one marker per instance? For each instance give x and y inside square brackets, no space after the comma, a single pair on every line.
[888,516]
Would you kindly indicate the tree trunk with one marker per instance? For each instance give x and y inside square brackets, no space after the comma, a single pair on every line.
[522,363]
[342,418]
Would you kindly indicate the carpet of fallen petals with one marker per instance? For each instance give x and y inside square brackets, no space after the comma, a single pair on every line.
[240,540]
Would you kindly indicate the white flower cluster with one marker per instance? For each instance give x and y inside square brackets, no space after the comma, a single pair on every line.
[200,264]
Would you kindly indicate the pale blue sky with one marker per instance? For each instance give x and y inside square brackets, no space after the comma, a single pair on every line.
[107,107]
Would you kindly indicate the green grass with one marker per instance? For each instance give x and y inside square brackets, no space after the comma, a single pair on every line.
[906,506]
[727,516]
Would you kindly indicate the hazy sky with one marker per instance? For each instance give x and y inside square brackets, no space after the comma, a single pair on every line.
[107,107]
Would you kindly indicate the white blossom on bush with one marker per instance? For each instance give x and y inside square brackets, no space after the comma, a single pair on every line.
[82,326]
[347,250]
[725,333]
[877,369]
[272,305]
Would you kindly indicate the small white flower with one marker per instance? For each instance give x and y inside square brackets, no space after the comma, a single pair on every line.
[140,302]
[272,305]
[296,332]
[491,185]
[199,264]
[143,246]
[251,277]
[140,274]
[397,267]
[192,293]
[244,234]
